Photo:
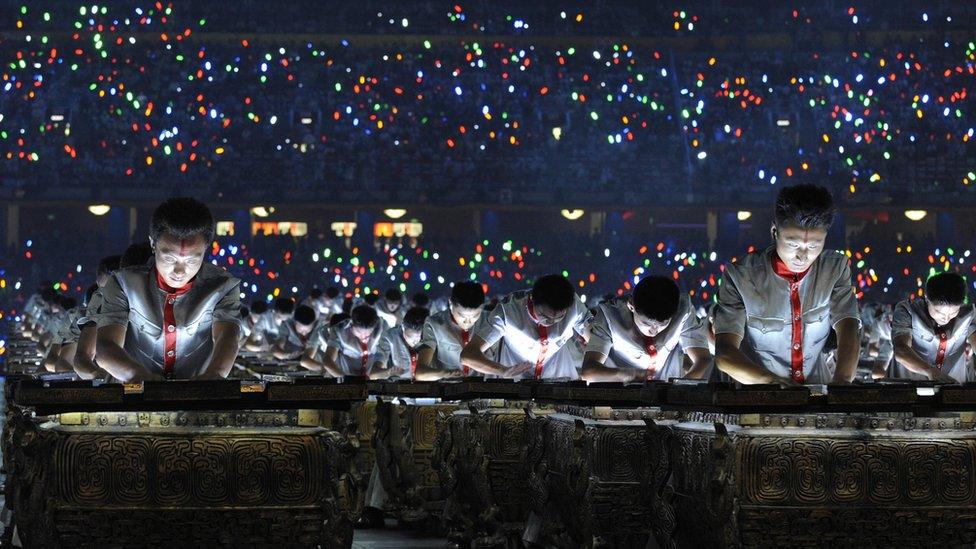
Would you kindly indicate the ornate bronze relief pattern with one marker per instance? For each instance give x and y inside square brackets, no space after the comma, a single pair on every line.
[72,486]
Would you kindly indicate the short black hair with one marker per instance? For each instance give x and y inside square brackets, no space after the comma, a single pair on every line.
[304,315]
[68,302]
[332,292]
[469,295]
[136,255]
[415,317]
[182,218]
[109,264]
[315,293]
[49,295]
[259,306]
[371,299]
[284,305]
[946,289]
[393,295]
[554,291]
[364,316]
[656,297]
[805,206]
[338,318]
[421,299]
[245,312]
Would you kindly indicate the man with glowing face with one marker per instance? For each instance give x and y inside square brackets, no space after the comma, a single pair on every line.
[447,332]
[350,347]
[267,327]
[776,307]
[532,327]
[399,352]
[930,335]
[182,314]
[390,308]
[294,333]
[645,336]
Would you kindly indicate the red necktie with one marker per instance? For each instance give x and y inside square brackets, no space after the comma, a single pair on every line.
[413,356]
[943,344]
[364,357]
[796,353]
[169,322]
[465,337]
[651,349]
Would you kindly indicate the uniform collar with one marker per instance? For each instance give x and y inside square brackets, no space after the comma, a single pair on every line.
[781,269]
[169,290]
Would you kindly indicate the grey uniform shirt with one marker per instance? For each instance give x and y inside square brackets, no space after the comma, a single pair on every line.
[445,337]
[68,330]
[754,304]
[318,340]
[518,334]
[265,330]
[132,298]
[395,354]
[293,342]
[912,317]
[92,308]
[613,334]
[351,360]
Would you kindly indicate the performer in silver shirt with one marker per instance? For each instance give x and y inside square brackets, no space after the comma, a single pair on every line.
[934,336]
[294,334]
[776,307]
[532,327]
[447,332]
[645,335]
[350,345]
[181,313]
[391,307]
[85,363]
[399,353]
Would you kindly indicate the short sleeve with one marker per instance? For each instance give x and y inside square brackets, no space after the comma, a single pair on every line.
[901,320]
[228,309]
[332,338]
[693,333]
[494,328]
[601,338]
[583,318]
[843,302]
[730,311]
[114,309]
[428,337]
